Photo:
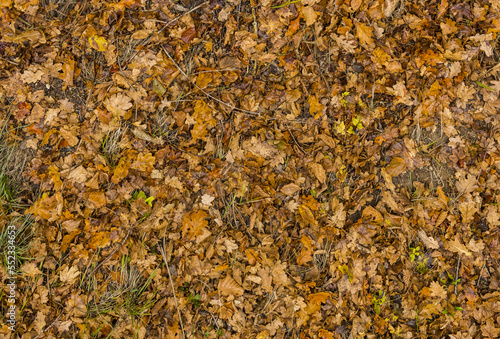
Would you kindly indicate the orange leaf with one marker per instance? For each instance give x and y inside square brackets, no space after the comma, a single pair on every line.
[45,207]
[396,166]
[97,198]
[99,239]
[121,170]
[318,298]
[68,239]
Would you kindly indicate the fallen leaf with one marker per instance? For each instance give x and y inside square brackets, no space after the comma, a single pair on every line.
[228,286]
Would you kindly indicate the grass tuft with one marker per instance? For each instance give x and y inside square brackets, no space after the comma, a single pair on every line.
[126,294]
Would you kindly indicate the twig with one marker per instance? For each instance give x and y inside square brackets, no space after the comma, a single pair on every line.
[480,275]
[148,39]
[162,251]
[48,328]
[207,94]
[456,274]
[300,148]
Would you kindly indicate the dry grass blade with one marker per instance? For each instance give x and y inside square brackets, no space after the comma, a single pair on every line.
[164,256]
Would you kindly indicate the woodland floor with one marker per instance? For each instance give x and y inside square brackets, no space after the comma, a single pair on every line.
[250,169]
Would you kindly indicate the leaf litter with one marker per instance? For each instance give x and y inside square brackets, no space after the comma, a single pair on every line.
[300,169]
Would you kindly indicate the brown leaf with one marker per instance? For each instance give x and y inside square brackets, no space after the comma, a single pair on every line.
[228,286]
[310,15]
[364,33]
[188,35]
[429,242]
[457,247]
[318,171]
[437,290]
[193,224]
[396,166]
[69,275]
[290,189]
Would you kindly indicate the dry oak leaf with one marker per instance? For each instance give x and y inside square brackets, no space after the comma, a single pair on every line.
[476,246]
[364,33]
[429,242]
[193,224]
[437,290]
[318,298]
[79,175]
[144,162]
[118,104]
[228,286]
[456,246]
[489,330]
[309,15]
[69,275]
[206,199]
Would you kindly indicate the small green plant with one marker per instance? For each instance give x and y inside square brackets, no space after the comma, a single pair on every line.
[142,195]
[422,266]
[343,101]
[415,253]
[449,279]
[356,125]
[378,300]
[195,299]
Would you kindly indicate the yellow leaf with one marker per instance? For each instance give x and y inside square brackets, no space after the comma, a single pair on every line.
[345,270]
[307,215]
[340,128]
[98,43]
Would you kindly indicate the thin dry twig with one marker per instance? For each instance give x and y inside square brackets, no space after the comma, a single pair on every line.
[50,326]
[162,251]
[148,39]
[207,94]
[456,274]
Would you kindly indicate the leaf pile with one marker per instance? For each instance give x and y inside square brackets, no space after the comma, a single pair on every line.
[301,169]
